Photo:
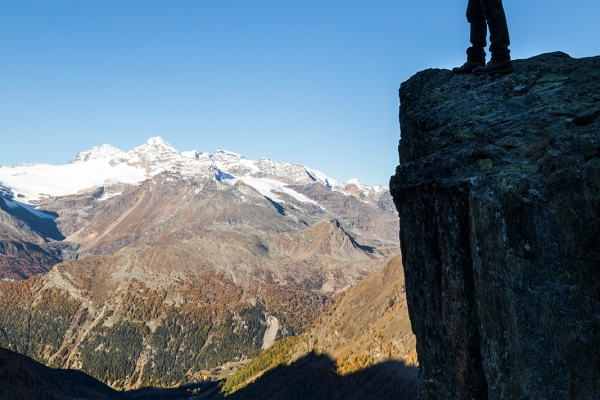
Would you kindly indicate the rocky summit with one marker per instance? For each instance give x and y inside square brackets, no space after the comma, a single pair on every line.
[498,193]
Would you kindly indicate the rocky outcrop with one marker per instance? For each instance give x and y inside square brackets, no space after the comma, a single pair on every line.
[498,193]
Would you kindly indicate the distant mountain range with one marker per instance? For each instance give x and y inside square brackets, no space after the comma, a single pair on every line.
[154,266]
[106,165]
[46,208]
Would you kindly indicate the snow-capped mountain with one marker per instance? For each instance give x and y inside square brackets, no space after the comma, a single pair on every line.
[107,164]
[193,153]
[104,151]
[65,208]
[158,235]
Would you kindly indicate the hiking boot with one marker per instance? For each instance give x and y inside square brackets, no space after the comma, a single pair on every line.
[495,67]
[468,67]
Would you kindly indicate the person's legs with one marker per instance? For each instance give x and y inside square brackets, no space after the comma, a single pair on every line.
[496,21]
[475,53]
[482,14]
[476,18]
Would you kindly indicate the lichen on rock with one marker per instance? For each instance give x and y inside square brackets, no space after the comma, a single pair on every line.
[498,193]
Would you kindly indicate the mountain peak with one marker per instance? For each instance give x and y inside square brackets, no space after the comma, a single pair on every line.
[224,158]
[194,154]
[104,151]
[226,153]
[158,141]
[359,189]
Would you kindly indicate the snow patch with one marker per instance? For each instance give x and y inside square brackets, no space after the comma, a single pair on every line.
[39,180]
[107,196]
[195,154]
[267,187]
[320,177]
[228,161]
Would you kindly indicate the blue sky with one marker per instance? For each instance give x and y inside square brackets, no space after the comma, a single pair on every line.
[312,82]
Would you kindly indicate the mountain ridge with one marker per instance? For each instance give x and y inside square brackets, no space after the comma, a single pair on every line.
[77,198]
[154,156]
[176,262]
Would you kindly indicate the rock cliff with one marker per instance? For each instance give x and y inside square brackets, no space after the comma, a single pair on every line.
[498,193]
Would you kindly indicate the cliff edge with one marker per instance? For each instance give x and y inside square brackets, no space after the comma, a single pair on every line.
[498,193]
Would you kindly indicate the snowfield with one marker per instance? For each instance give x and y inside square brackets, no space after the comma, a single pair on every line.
[35,181]
[106,164]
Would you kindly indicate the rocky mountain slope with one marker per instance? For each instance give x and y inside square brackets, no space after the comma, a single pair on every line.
[30,242]
[106,199]
[362,347]
[369,324]
[498,193]
[368,327]
[175,263]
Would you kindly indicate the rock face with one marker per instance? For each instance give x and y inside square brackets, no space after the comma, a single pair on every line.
[29,242]
[498,193]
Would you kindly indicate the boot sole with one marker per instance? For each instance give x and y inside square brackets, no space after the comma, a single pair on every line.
[504,71]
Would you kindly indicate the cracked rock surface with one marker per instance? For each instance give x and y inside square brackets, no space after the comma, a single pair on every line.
[498,193]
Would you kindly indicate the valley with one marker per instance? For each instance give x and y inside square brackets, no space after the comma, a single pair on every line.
[151,268]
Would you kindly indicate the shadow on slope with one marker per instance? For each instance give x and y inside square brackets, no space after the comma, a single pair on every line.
[311,377]
[202,390]
[22,378]
[44,227]
[314,377]
[27,240]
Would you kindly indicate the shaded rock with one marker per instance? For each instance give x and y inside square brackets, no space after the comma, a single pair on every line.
[498,193]
[22,378]
[314,377]
[28,241]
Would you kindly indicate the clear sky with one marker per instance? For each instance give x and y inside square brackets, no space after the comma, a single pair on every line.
[311,82]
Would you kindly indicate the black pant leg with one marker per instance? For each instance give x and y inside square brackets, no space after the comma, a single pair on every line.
[476,18]
[496,21]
